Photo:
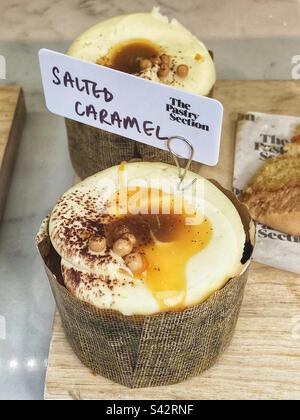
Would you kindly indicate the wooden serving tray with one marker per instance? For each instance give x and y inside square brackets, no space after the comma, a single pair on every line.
[12,119]
[263,360]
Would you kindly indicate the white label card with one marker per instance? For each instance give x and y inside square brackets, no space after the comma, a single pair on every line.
[130,106]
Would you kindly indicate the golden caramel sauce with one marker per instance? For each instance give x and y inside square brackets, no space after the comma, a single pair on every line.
[167,244]
[174,245]
[125,56]
[166,241]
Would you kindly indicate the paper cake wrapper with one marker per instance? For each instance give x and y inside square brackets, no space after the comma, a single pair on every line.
[154,350]
[92,149]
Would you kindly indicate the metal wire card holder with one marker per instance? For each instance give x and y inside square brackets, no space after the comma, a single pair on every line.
[182,171]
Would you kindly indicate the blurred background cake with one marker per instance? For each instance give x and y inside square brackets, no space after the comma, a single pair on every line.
[147,45]
[151,46]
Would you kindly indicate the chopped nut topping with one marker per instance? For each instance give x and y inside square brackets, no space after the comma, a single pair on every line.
[122,247]
[145,64]
[163,71]
[156,60]
[83,234]
[129,237]
[135,262]
[182,70]
[97,244]
[165,59]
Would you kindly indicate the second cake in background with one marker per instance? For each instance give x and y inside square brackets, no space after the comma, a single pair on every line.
[147,45]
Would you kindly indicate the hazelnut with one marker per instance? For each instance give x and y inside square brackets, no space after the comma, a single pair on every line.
[163,71]
[182,70]
[165,59]
[156,60]
[145,64]
[135,262]
[83,234]
[122,247]
[130,237]
[97,244]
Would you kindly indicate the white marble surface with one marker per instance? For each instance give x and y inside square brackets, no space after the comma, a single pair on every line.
[64,19]
[250,38]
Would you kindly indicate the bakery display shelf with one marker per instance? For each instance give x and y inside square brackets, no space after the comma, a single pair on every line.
[12,119]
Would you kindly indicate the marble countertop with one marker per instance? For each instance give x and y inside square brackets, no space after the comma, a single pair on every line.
[251,40]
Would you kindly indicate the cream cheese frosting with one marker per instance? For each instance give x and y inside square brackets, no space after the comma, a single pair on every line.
[105,280]
[169,36]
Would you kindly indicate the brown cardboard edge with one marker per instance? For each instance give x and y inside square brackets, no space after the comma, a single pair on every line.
[11,149]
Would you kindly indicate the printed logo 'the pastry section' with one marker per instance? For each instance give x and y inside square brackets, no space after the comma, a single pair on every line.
[181,112]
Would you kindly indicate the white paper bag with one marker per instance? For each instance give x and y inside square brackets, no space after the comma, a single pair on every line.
[258,137]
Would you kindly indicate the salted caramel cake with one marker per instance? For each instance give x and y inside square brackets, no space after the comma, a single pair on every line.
[151,46]
[142,248]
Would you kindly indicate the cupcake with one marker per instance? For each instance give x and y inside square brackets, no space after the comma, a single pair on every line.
[148,280]
[146,45]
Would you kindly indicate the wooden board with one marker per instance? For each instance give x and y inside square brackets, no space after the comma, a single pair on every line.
[263,360]
[12,119]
